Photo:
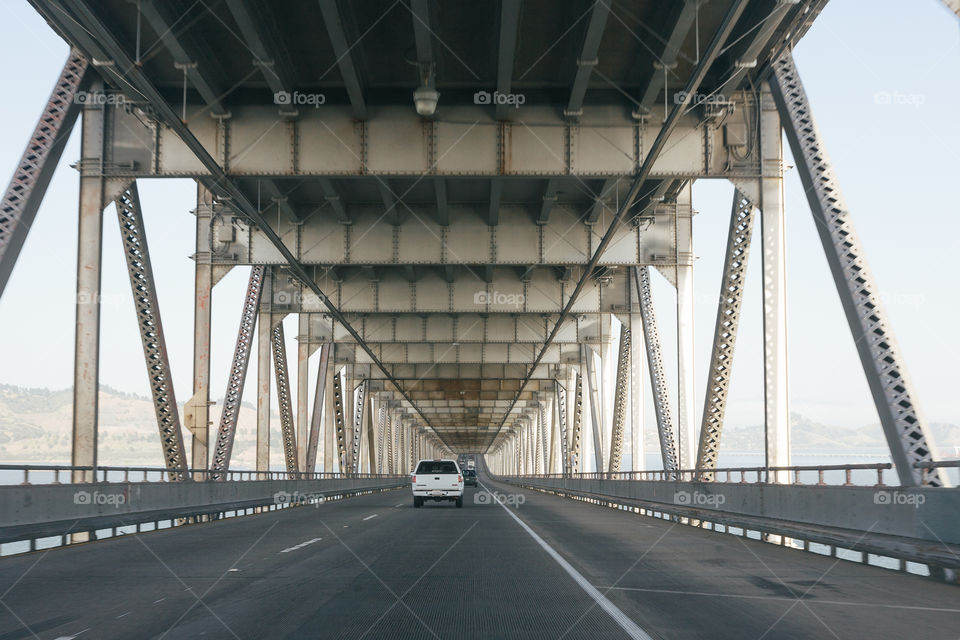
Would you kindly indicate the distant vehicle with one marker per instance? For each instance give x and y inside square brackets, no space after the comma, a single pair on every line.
[437,480]
[469,478]
[471,463]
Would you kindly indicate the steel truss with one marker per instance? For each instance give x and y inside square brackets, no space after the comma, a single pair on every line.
[391,462]
[903,424]
[381,436]
[32,175]
[316,424]
[577,422]
[542,418]
[658,377]
[725,333]
[339,420]
[144,289]
[238,374]
[283,399]
[358,416]
[620,400]
[561,401]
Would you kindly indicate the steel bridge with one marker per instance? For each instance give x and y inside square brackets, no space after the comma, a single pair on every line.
[467,235]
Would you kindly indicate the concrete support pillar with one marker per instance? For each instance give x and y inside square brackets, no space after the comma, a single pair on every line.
[264,335]
[687,419]
[776,390]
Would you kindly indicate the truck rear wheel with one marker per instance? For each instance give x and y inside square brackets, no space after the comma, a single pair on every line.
[417,502]
[459,502]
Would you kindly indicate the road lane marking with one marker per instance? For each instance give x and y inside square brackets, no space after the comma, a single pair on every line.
[301,545]
[73,636]
[122,615]
[369,517]
[160,600]
[613,610]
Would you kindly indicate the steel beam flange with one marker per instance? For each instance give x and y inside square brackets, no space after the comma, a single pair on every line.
[620,400]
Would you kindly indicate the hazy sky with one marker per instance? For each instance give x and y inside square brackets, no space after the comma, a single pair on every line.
[897,163]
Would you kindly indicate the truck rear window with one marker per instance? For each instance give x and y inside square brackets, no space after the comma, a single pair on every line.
[428,467]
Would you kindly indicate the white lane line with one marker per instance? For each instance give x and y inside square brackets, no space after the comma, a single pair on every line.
[73,636]
[613,610]
[122,615]
[369,517]
[301,545]
[159,601]
[397,505]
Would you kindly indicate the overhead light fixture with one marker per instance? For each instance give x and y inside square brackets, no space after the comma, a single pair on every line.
[425,98]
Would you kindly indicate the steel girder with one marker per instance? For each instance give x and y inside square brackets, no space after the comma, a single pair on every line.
[542,417]
[620,400]
[316,423]
[238,374]
[38,162]
[287,430]
[340,425]
[561,400]
[953,5]
[391,438]
[904,425]
[658,377]
[725,332]
[596,409]
[146,304]
[536,429]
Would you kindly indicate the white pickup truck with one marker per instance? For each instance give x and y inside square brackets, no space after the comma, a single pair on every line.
[437,480]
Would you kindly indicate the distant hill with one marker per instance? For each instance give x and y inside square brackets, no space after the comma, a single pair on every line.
[35,426]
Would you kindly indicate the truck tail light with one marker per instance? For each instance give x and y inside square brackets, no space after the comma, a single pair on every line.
[414,478]
[459,478]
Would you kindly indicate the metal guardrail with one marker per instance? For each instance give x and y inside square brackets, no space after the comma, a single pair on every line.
[100,474]
[735,474]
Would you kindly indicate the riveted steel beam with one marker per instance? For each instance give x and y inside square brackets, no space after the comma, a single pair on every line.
[587,59]
[561,403]
[658,377]
[725,333]
[333,22]
[38,162]
[506,51]
[904,426]
[260,36]
[238,374]
[146,304]
[287,429]
[621,392]
[358,419]
[340,424]
[316,423]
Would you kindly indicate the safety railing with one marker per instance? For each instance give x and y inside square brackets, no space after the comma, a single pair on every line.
[65,474]
[799,474]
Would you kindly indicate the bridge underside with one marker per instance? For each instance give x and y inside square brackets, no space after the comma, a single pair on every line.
[465,232]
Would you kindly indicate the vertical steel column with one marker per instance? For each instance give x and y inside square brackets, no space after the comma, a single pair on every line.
[544,426]
[620,400]
[637,447]
[238,373]
[290,454]
[95,192]
[595,407]
[686,422]
[372,458]
[38,163]
[147,307]
[725,333]
[772,235]
[316,419]
[304,349]
[359,394]
[561,404]
[658,378]
[264,344]
[576,431]
[196,412]
[903,423]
